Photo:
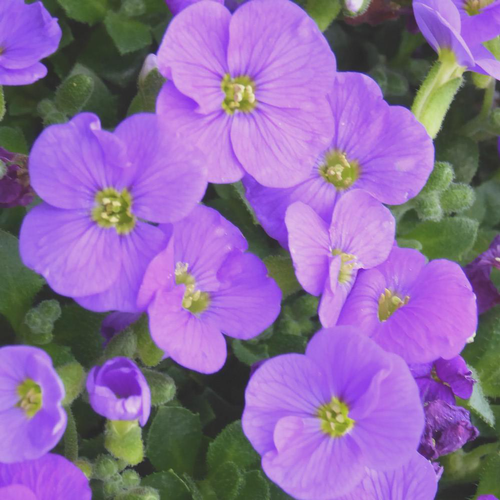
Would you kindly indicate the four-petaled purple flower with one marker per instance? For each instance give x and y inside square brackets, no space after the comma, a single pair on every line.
[203,285]
[15,189]
[89,239]
[32,419]
[378,148]
[421,311]
[249,89]
[327,257]
[28,34]
[119,391]
[463,28]
[319,419]
[50,477]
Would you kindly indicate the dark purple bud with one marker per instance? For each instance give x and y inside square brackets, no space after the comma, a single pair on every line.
[15,189]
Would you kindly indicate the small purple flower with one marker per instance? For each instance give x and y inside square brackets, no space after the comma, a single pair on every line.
[320,419]
[15,189]
[479,274]
[203,285]
[249,89]
[119,391]
[377,148]
[50,477]
[90,239]
[462,27]
[421,311]
[327,257]
[487,497]
[447,428]
[444,379]
[416,480]
[32,419]
[115,323]
[176,6]
[27,34]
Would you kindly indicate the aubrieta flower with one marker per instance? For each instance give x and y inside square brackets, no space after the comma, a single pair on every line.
[32,419]
[119,391]
[249,88]
[421,311]
[327,257]
[447,429]
[462,28]
[319,419]
[416,480]
[376,147]
[15,189]
[28,34]
[176,6]
[90,239]
[479,274]
[50,477]
[444,379]
[202,285]
[487,497]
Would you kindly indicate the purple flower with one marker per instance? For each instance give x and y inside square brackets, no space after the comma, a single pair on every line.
[360,235]
[176,6]
[15,189]
[487,497]
[447,428]
[90,240]
[118,391]
[27,34]
[319,419]
[50,477]
[462,27]
[249,89]
[32,419]
[115,323]
[378,148]
[444,379]
[416,480]
[421,311]
[479,274]
[203,285]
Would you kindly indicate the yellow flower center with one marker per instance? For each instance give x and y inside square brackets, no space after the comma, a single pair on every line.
[334,418]
[337,170]
[348,263]
[239,94]
[194,300]
[114,209]
[474,7]
[389,303]
[30,397]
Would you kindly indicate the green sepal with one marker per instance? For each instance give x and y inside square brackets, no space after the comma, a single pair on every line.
[441,177]
[147,350]
[123,344]
[131,479]
[123,439]
[324,12]
[139,493]
[73,377]
[457,198]
[105,467]
[161,385]
[428,207]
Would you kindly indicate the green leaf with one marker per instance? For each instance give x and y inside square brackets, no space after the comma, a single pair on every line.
[2,104]
[169,485]
[254,487]
[85,11]
[277,493]
[18,284]
[280,267]
[323,11]
[73,94]
[478,402]
[489,483]
[123,344]
[123,439]
[12,139]
[145,100]
[231,445]
[450,238]
[462,152]
[129,35]
[174,440]
[226,481]
[249,353]
[73,377]
[147,350]
[161,385]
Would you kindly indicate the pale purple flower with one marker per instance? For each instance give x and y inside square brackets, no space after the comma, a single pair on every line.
[249,89]
[487,497]
[416,480]
[421,311]
[320,419]
[203,285]
[28,34]
[479,274]
[15,189]
[377,148]
[50,477]
[176,6]
[328,255]
[119,391]
[462,27]
[32,419]
[90,239]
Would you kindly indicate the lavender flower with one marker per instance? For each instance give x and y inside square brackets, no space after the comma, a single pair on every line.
[99,188]
[421,311]
[50,477]
[176,6]
[479,274]
[462,27]
[249,89]
[15,189]
[327,259]
[319,419]
[377,148]
[487,497]
[416,480]
[27,34]
[204,284]
[118,391]
[447,428]
[32,419]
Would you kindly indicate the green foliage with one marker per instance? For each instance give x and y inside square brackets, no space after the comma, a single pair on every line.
[105,467]
[123,439]
[169,485]
[122,344]
[457,198]
[441,177]
[280,268]
[88,11]
[488,483]
[13,140]
[461,152]
[131,478]
[478,403]
[73,377]
[140,493]
[254,486]
[323,11]
[148,90]
[226,481]
[128,35]
[162,387]
[2,104]
[73,94]
[147,351]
